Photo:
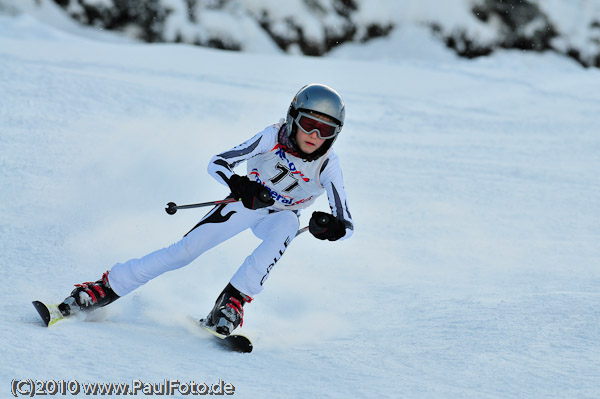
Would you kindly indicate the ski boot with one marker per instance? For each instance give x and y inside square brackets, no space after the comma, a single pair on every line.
[228,312]
[89,296]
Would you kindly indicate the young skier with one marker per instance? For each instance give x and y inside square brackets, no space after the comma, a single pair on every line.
[289,164]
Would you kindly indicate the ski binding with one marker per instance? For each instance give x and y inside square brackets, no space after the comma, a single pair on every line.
[234,342]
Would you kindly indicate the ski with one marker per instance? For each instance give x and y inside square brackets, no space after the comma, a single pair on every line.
[233,342]
[50,314]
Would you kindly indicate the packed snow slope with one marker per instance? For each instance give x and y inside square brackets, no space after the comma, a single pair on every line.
[473,272]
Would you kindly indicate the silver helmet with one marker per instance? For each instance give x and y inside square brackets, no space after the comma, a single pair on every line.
[316,99]
[320,99]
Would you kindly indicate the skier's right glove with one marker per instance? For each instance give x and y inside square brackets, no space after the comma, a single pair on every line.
[325,226]
[252,194]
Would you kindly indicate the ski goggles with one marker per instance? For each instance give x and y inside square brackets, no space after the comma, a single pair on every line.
[310,123]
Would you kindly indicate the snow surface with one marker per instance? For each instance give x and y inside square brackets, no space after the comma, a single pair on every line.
[473,272]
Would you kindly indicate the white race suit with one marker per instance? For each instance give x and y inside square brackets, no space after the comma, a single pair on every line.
[294,184]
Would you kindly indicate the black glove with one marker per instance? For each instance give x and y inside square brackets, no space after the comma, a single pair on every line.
[252,194]
[325,226]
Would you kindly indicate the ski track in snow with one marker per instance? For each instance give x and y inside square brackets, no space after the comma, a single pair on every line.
[473,272]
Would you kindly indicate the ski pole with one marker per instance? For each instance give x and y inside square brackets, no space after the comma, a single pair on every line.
[173,207]
[302,230]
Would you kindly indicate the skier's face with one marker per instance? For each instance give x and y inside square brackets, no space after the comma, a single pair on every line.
[308,143]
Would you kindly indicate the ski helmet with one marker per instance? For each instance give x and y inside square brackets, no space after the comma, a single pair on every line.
[316,99]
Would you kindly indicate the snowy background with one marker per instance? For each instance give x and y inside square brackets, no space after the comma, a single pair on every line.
[473,272]
[471,28]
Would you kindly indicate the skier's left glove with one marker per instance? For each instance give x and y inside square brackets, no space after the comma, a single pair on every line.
[252,194]
[325,226]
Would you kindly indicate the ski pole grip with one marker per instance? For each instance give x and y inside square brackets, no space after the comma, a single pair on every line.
[323,220]
[264,196]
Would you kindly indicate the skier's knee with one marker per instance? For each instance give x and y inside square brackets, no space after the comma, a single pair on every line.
[289,223]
